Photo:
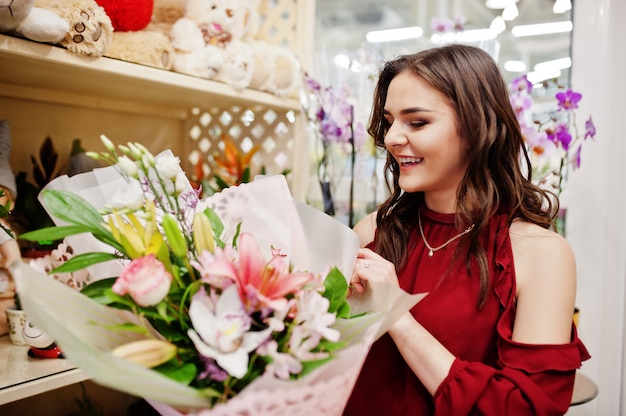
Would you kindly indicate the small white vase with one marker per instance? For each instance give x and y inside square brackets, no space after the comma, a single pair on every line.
[16,320]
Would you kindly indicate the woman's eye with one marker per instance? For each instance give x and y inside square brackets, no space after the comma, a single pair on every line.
[417,124]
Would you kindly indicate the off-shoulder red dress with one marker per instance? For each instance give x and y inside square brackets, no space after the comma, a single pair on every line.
[492,374]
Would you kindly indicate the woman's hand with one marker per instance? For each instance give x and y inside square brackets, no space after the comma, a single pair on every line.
[371,266]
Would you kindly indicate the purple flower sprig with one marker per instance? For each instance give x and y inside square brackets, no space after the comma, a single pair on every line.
[551,134]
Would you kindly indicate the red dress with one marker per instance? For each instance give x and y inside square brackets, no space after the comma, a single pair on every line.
[492,375]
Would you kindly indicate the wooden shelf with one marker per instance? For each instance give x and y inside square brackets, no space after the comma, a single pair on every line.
[28,67]
[22,376]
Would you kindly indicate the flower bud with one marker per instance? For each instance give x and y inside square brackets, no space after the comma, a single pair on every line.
[108,144]
[147,352]
[128,167]
[203,234]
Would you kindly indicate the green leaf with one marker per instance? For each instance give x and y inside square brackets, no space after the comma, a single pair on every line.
[84,260]
[308,366]
[54,233]
[221,183]
[97,290]
[127,326]
[245,177]
[173,369]
[73,209]
[216,224]
[336,291]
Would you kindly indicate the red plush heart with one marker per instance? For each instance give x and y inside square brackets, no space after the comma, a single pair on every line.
[128,15]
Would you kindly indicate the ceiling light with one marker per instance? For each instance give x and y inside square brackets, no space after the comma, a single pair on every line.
[498,25]
[562,63]
[562,6]
[499,4]
[394,34]
[535,77]
[542,29]
[510,12]
[515,66]
[476,35]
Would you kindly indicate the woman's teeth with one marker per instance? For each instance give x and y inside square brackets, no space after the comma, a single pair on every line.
[409,160]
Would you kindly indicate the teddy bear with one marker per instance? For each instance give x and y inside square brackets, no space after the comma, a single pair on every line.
[90,27]
[146,47]
[209,41]
[276,69]
[19,17]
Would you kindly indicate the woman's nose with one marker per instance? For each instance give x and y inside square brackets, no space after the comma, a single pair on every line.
[395,136]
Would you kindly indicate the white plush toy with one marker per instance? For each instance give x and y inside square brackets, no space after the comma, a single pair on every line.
[207,41]
[238,67]
[276,69]
[19,17]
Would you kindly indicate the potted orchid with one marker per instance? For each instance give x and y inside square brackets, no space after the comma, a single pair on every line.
[551,133]
[331,119]
[192,311]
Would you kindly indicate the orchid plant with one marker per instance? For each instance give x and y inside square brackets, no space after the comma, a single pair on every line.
[331,118]
[216,313]
[551,134]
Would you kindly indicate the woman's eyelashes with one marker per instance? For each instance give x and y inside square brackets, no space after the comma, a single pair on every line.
[417,124]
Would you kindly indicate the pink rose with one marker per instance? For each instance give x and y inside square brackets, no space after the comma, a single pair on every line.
[145,279]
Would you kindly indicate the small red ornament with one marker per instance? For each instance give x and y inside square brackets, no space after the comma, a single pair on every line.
[128,15]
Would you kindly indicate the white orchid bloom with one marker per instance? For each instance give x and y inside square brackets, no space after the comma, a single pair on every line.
[282,364]
[302,342]
[312,313]
[223,334]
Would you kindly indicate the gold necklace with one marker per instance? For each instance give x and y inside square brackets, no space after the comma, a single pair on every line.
[431,250]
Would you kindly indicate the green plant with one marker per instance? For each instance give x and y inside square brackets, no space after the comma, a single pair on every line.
[28,213]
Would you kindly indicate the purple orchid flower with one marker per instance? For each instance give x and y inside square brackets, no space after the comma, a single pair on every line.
[568,100]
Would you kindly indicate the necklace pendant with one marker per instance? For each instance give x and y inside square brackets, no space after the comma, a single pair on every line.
[430,253]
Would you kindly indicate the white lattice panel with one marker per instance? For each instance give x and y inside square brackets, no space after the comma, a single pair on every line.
[278,22]
[273,131]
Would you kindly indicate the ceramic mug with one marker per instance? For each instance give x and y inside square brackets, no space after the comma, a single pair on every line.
[16,320]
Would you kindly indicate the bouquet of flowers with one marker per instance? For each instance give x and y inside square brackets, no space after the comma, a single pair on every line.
[551,133]
[205,304]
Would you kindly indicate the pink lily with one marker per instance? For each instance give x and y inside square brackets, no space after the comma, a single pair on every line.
[260,282]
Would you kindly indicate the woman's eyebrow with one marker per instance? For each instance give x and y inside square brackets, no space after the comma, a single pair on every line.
[411,110]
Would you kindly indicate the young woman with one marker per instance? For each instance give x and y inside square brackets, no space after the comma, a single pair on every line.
[466,227]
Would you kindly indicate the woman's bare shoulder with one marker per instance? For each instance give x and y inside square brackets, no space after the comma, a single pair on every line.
[545,275]
[541,255]
[366,228]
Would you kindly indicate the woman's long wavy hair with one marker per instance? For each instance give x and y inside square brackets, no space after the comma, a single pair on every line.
[470,79]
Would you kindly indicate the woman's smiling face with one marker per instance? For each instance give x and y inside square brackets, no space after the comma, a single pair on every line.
[423,139]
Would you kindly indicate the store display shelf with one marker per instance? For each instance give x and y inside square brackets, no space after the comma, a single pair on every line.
[36,66]
[22,376]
